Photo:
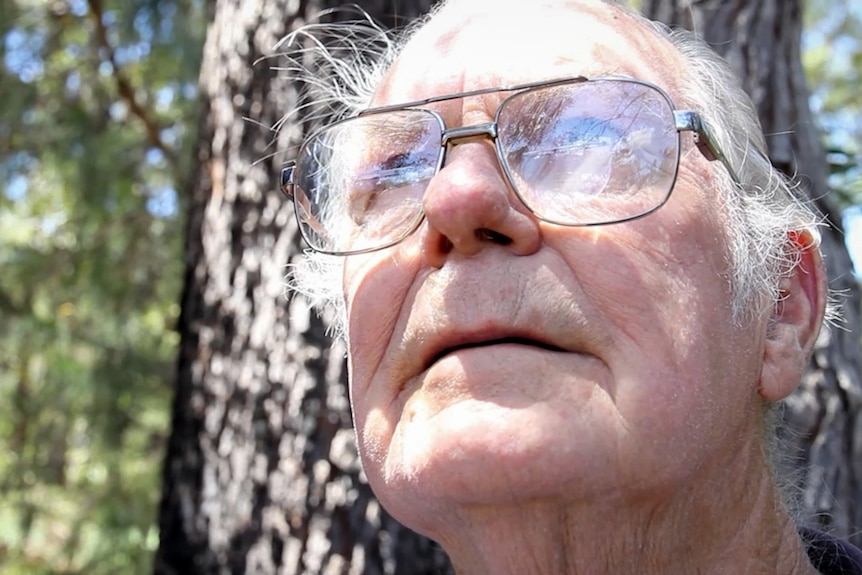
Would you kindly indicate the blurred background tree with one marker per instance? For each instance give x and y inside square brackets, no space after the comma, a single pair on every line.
[262,473]
[97,116]
[99,121]
[832,56]
[833,63]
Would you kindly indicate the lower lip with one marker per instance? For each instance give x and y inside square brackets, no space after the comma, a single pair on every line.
[489,345]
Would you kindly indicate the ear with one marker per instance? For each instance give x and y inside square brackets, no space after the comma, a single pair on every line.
[795,321]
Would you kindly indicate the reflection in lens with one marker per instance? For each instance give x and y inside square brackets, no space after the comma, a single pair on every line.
[363,178]
[590,152]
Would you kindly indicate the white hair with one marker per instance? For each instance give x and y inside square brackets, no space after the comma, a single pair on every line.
[342,64]
[765,208]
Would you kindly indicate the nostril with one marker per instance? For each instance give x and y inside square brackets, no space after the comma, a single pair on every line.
[484,234]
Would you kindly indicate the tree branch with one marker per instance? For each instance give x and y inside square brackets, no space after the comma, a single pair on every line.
[124,85]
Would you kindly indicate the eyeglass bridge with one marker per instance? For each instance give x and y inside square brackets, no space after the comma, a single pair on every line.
[465,134]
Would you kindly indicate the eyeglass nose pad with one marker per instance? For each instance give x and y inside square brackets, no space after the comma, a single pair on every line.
[466,134]
[487,131]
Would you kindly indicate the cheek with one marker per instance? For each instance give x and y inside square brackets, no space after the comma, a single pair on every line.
[657,283]
[678,359]
[376,287]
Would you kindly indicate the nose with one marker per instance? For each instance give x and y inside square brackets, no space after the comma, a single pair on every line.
[469,206]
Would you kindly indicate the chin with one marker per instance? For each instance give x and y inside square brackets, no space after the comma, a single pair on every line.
[476,453]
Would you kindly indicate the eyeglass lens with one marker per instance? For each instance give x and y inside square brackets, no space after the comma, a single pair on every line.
[576,154]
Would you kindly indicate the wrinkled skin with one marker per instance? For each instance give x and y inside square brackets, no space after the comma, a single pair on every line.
[544,402]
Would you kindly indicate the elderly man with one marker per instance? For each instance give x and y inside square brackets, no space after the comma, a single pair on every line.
[574,287]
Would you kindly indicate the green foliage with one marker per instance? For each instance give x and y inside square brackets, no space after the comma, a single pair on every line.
[97,121]
[832,58]
[96,127]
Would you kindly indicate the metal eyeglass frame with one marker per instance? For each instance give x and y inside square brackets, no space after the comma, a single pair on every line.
[684,121]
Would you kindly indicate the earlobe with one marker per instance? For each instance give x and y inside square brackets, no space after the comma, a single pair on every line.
[795,321]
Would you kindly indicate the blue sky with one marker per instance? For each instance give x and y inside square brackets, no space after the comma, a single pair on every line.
[853,228]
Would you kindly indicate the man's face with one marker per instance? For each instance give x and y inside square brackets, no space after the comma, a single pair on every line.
[600,363]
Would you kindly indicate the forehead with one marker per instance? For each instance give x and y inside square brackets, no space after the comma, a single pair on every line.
[473,44]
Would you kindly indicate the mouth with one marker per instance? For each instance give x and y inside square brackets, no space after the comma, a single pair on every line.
[524,341]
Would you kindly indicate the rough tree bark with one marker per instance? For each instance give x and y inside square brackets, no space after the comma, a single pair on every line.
[762,41]
[262,474]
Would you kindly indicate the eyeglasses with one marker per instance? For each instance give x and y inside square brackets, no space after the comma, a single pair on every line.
[575,151]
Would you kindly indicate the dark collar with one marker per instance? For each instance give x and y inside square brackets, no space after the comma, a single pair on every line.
[830,555]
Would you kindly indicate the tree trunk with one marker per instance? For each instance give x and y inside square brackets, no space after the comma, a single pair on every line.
[761,39]
[262,474]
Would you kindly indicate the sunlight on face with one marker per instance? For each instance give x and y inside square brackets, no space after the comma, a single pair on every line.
[569,362]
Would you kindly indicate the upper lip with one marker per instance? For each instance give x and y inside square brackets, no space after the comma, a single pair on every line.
[487,301]
[452,342]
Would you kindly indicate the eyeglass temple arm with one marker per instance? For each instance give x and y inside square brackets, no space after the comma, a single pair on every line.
[286,186]
[286,181]
[687,120]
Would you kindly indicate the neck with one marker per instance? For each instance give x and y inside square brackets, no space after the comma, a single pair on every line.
[709,530]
